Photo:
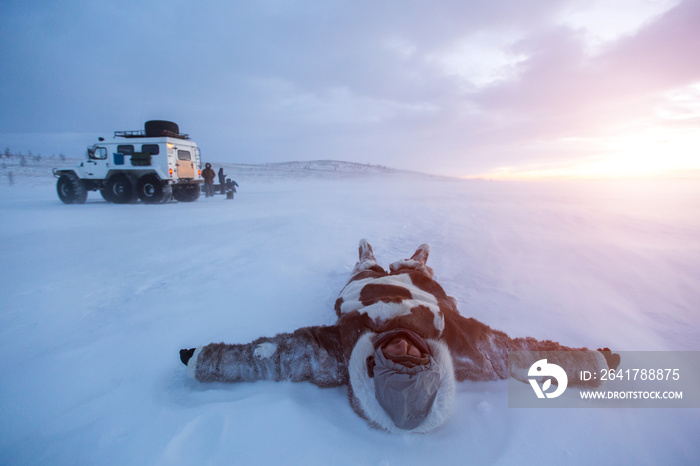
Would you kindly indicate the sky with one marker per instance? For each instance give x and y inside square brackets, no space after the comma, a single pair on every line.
[497,88]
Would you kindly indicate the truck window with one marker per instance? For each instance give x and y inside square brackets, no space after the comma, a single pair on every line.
[126,149]
[152,149]
[97,153]
[184,155]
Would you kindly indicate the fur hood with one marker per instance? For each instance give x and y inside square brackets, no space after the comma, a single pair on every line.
[362,394]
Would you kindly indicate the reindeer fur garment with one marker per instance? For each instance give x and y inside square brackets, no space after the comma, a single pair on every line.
[373,302]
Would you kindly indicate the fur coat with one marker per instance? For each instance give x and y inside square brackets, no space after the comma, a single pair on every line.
[373,302]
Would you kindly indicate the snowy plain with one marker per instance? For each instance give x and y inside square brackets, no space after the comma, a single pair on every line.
[97,299]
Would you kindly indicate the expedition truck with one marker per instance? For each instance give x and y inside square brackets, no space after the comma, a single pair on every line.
[154,165]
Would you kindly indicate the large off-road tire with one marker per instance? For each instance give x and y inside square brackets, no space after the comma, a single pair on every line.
[188,193]
[151,190]
[120,189]
[105,195]
[155,128]
[71,189]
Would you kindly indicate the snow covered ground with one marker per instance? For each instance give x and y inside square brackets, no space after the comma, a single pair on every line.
[97,299]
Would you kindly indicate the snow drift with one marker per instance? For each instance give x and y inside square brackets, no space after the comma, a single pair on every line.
[97,299]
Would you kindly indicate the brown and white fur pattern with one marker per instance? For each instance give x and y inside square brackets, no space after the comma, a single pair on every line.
[375,301]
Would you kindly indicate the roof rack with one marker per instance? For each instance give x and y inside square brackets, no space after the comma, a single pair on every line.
[142,134]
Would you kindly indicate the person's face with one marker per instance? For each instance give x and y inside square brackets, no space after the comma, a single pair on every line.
[399,346]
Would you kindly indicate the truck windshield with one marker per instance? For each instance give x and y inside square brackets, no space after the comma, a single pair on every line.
[97,152]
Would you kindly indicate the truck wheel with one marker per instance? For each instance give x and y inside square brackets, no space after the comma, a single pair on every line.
[189,193]
[151,189]
[194,193]
[71,189]
[120,189]
[105,195]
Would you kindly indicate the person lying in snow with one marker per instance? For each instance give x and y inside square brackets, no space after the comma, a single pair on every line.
[399,344]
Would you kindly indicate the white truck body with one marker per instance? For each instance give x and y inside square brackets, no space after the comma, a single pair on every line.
[152,165]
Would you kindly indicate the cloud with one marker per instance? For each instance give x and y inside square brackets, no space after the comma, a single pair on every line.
[449,86]
[602,22]
[565,93]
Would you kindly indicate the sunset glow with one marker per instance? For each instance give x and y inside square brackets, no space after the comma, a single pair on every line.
[565,89]
[665,143]
[657,154]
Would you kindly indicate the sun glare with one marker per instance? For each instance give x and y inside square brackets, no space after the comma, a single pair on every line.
[664,143]
[655,154]
[650,156]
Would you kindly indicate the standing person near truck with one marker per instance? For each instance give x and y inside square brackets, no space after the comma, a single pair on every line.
[222,180]
[208,174]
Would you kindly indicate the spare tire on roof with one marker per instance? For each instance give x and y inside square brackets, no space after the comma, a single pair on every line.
[156,128]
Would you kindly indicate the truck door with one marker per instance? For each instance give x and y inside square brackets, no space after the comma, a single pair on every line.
[97,164]
[185,167]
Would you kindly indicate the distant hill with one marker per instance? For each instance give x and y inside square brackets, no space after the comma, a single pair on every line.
[303,169]
[36,170]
